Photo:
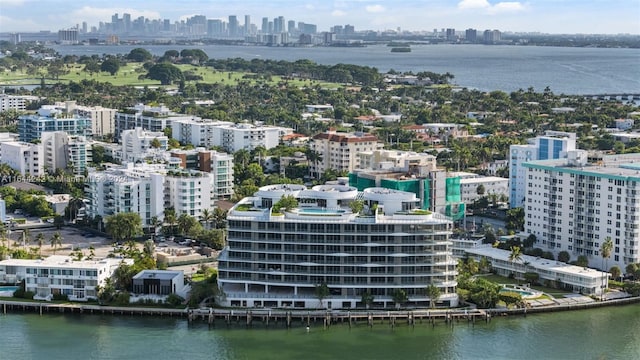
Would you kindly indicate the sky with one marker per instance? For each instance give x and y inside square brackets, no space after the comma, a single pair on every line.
[546,16]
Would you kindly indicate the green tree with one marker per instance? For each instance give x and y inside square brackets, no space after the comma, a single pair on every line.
[55,241]
[564,256]
[367,299]
[123,227]
[322,292]
[111,65]
[480,190]
[605,252]
[166,73]
[433,292]
[287,202]
[155,143]
[516,254]
[399,297]
[615,272]
[515,219]
[188,225]
[40,241]
[582,261]
[139,55]
[356,206]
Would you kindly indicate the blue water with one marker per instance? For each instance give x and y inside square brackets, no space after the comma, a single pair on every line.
[320,211]
[508,68]
[8,288]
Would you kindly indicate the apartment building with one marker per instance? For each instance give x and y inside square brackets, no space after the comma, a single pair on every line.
[573,205]
[148,189]
[24,157]
[552,145]
[232,137]
[278,259]
[31,127]
[138,143]
[102,119]
[64,152]
[220,165]
[15,102]
[150,118]
[338,151]
[60,275]
[470,182]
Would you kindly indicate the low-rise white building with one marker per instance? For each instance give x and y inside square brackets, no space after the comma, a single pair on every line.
[470,182]
[15,102]
[137,143]
[60,275]
[570,277]
[158,284]
[26,158]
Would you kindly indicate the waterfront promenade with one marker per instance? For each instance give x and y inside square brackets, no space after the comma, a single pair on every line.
[294,318]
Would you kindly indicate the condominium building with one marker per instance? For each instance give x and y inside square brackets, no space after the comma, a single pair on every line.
[278,259]
[60,275]
[102,119]
[338,151]
[151,118]
[61,151]
[136,143]
[148,189]
[26,158]
[31,127]
[15,102]
[130,188]
[220,165]
[552,145]
[561,275]
[575,206]
[232,137]
[470,183]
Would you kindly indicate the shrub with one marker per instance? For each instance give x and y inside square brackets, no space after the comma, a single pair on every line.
[174,300]
[61,297]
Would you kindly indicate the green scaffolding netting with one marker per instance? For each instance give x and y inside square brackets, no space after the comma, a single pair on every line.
[455,211]
[453,190]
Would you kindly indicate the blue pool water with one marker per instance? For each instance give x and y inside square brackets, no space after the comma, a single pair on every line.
[521,292]
[320,211]
[8,288]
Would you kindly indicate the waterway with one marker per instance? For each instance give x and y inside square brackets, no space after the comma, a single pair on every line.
[565,70]
[604,333]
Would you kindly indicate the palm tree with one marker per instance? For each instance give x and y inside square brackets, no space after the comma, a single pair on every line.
[56,241]
[26,237]
[605,251]
[3,234]
[219,218]
[40,240]
[516,254]
[206,217]
[170,218]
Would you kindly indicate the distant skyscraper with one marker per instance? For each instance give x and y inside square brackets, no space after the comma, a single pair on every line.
[126,20]
[451,34]
[247,24]
[214,27]
[471,35]
[265,25]
[291,26]
[233,26]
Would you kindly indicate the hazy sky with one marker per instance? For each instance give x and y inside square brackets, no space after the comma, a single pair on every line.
[549,16]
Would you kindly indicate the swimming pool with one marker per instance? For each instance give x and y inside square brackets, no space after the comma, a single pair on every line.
[526,293]
[8,290]
[320,211]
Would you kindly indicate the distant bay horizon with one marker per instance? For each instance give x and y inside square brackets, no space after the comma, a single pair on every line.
[565,70]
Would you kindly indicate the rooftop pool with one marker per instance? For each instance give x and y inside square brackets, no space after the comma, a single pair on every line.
[320,211]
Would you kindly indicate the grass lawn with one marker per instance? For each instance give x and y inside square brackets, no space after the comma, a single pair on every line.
[128,75]
[547,290]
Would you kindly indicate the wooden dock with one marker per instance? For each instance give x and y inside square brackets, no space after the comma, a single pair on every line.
[266,317]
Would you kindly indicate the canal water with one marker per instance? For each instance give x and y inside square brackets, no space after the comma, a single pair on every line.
[604,333]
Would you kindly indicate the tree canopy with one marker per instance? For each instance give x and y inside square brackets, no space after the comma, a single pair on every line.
[166,73]
[124,226]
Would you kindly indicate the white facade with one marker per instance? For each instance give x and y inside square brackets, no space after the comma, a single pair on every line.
[102,119]
[338,151]
[575,206]
[418,164]
[573,278]
[136,143]
[26,158]
[220,165]
[469,183]
[65,152]
[150,118]
[15,102]
[553,145]
[60,275]
[127,188]
[277,260]
[148,189]
[232,137]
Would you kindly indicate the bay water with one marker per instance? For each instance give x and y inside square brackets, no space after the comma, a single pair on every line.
[603,333]
[565,70]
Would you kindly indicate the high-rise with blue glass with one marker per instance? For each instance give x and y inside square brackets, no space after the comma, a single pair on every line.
[551,145]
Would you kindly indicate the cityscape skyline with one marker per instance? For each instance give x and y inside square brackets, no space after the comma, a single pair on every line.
[566,17]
